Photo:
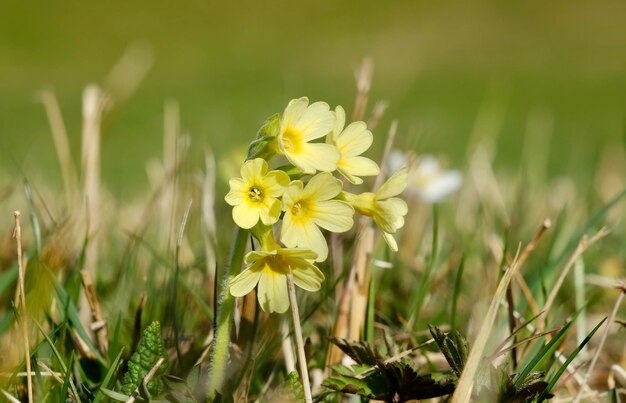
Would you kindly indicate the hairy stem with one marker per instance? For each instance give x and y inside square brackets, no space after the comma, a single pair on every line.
[225,308]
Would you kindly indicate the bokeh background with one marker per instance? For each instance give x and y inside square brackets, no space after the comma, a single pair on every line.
[229,65]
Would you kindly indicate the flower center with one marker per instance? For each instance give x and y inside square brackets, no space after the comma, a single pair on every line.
[292,140]
[296,208]
[255,194]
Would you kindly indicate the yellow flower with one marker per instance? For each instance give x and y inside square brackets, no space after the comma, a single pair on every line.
[302,123]
[269,270]
[255,194]
[386,210]
[351,142]
[309,207]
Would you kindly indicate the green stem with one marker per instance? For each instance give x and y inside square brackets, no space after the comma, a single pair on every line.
[226,306]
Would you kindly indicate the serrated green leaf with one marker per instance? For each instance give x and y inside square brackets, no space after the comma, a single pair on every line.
[453,346]
[294,386]
[149,350]
[360,351]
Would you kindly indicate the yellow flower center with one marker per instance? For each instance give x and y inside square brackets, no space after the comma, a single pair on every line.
[255,194]
[296,209]
[292,140]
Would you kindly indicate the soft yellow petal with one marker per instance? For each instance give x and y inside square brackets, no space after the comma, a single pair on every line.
[307,276]
[270,215]
[272,292]
[256,255]
[393,245]
[340,121]
[315,157]
[237,194]
[245,216]
[390,214]
[316,121]
[334,215]
[351,178]
[354,140]
[294,110]
[303,235]
[244,282]
[275,183]
[394,185]
[253,169]
[359,166]
[323,186]
[298,253]
[292,193]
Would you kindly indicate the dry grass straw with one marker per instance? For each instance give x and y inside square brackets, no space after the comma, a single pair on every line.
[582,246]
[61,145]
[465,385]
[99,324]
[351,314]
[21,303]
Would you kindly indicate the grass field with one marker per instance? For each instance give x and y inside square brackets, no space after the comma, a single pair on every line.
[508,289]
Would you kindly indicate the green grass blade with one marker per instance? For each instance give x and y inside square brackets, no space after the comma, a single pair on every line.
[72,314]
[546,351]
[457,291]
[110,377]
[571,357]
[58,356]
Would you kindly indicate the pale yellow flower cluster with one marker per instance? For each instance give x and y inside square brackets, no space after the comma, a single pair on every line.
[304,198]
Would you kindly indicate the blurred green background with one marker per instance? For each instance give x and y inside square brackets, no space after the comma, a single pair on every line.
[231,64]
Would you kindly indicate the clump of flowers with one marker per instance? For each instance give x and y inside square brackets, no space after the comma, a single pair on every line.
[305,198]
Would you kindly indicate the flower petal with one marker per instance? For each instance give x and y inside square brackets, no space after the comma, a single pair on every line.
[245,216]
[441,187]
[275,183]
[315,157]
[394,185]
[270,215]
[237,194]
[292,193]
[272,291]
[296,253]
[307,276]
[303,235]
[294,110]
[316,121]
[359,166]
[340,121]
[354,140]
[253,169]
[393,245]
[391,214]
[323,186]
[334,215]
[244,282]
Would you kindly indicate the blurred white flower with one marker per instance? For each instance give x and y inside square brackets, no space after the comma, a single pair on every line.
[430,183]
[427,181]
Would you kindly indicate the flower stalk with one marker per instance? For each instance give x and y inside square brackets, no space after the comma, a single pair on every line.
[225,309]
[295,314]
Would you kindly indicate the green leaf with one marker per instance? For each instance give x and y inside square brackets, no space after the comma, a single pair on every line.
[453,346]
[294,386]
[376,377]
[149,350]
[359,351]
